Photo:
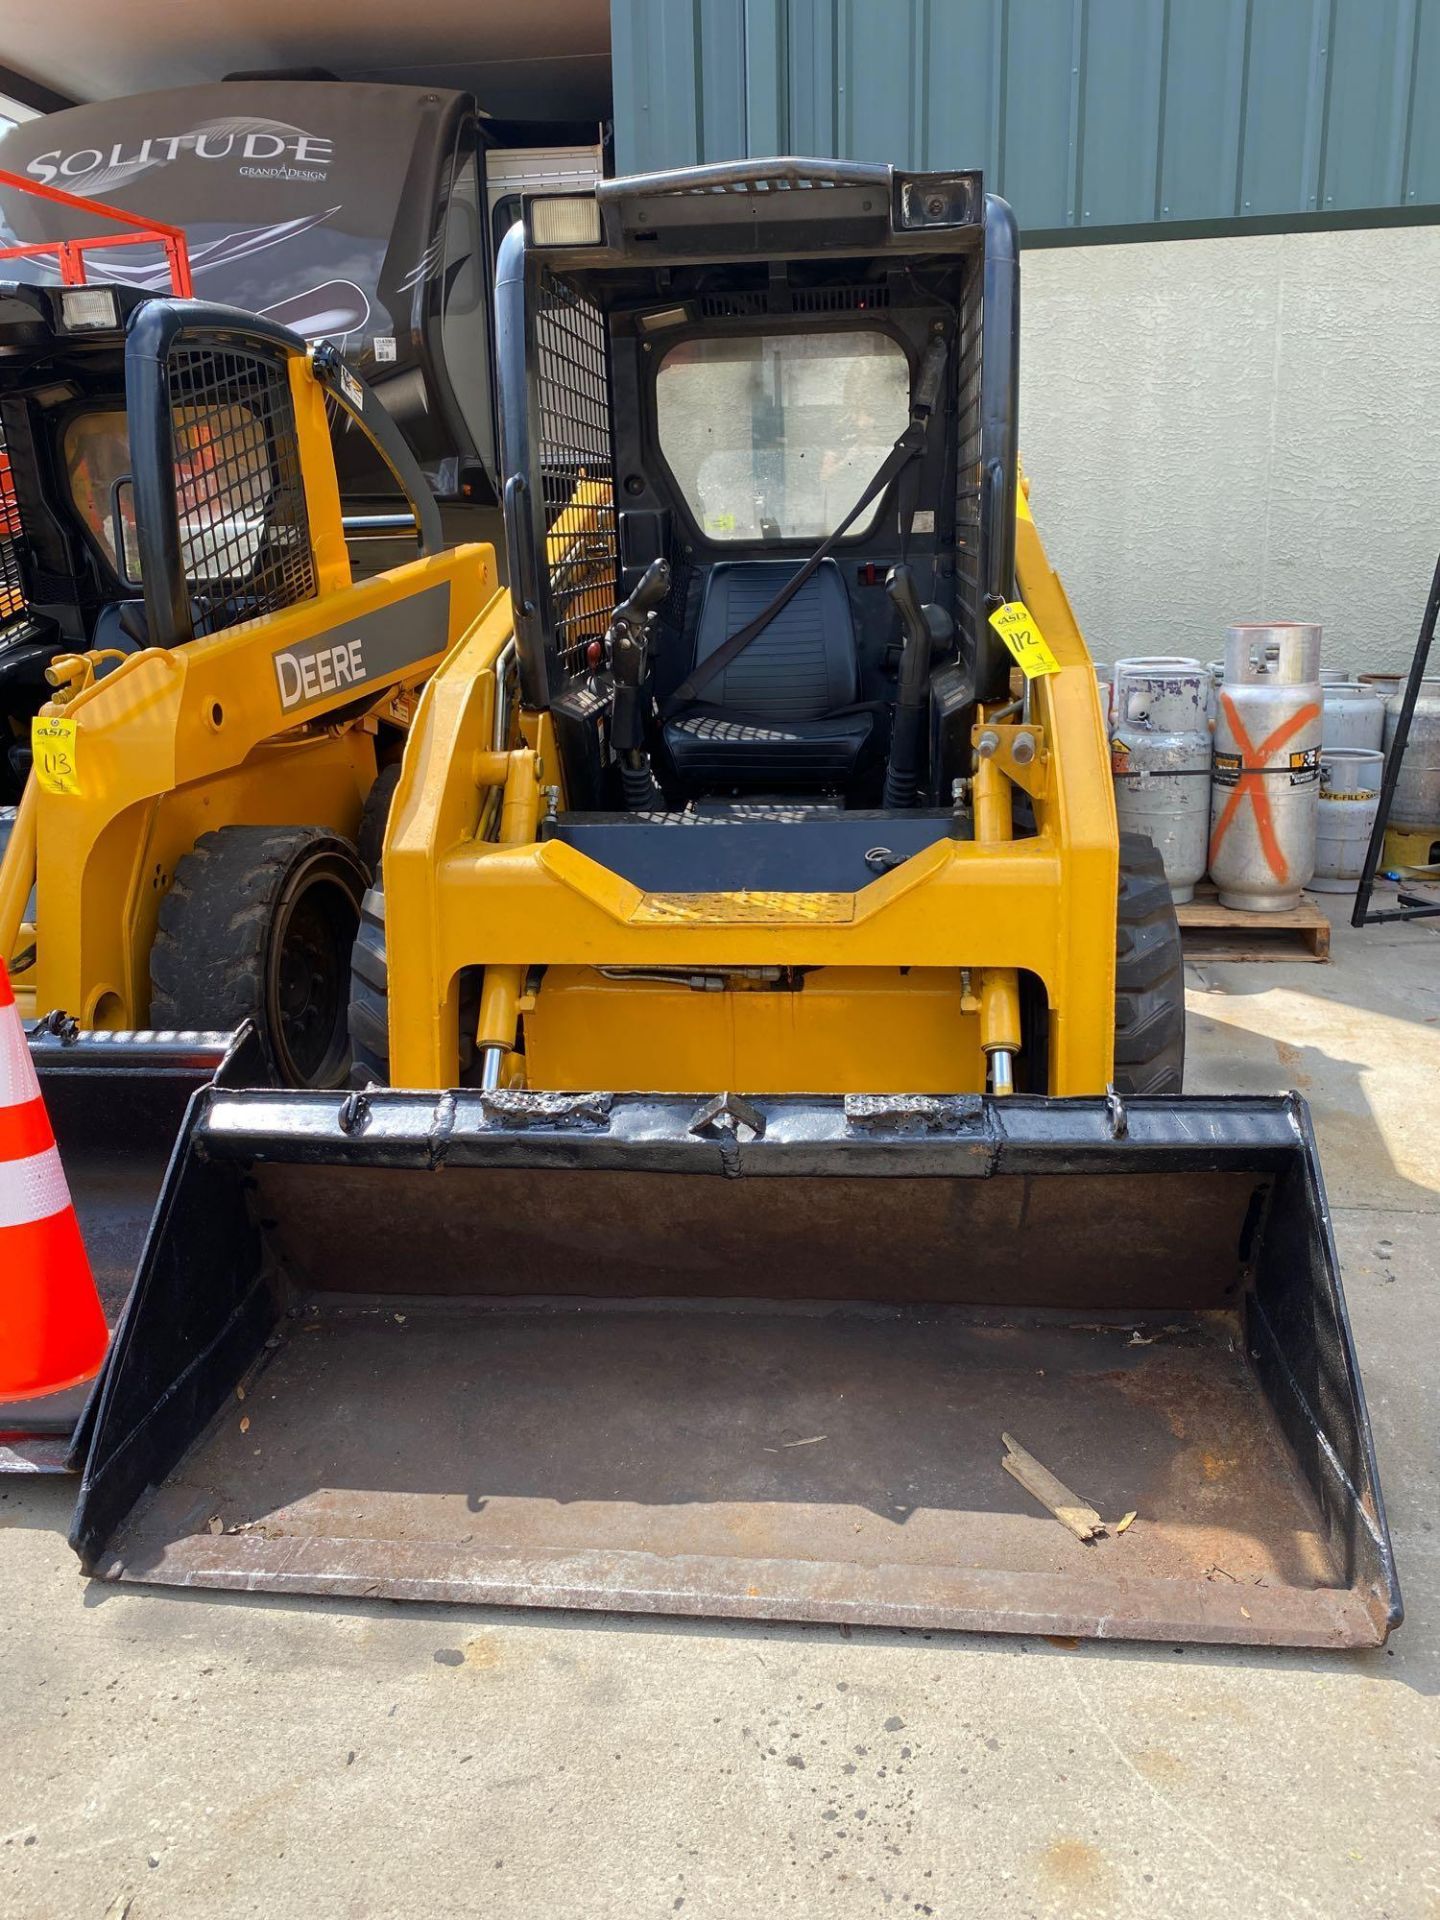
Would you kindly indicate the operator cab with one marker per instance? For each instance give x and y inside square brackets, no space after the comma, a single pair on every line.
[70,547]
[766,441]
[141,507]
[71,555]
[65,586]
[760,481]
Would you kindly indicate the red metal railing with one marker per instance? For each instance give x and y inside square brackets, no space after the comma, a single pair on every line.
[70,254]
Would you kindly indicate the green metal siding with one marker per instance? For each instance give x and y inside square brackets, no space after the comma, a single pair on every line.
[1085,114]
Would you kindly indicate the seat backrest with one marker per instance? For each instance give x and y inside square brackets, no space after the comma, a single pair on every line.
[803,664]
[108,630]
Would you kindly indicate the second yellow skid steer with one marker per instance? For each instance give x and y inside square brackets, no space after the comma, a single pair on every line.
[201,718]
[772,1140]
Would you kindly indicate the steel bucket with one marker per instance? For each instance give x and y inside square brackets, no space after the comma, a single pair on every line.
[750,1359]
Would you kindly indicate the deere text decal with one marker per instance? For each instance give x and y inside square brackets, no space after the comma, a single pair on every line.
[377,646]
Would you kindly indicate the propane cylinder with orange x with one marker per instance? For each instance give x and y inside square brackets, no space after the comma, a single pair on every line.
[1266,780]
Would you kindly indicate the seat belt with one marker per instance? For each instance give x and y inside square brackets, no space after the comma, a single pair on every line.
[907,448]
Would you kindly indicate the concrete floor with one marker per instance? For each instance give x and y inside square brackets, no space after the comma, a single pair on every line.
[208,1757]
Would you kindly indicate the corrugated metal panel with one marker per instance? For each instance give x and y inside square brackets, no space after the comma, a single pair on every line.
[1422,154]
[1372,53]
[1121,84]
[1039,100]
[1286,65]
[1203,103]
[1084,113]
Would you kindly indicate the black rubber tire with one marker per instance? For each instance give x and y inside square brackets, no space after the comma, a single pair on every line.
[17,962]
[258,924]
[370,994]
[1149,976]
[375,817]
[369,1011]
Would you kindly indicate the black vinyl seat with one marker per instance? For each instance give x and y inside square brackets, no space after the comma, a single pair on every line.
[110,634]
[775,719]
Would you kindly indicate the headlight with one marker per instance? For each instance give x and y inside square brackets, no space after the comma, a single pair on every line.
[85,307]
[564,220]
[664,317]
[937,200]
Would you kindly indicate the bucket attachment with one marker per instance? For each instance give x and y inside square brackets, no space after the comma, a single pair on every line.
[116,1102]
[750,1359]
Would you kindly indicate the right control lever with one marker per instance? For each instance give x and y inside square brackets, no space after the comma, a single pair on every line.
[923,628]
[627,647]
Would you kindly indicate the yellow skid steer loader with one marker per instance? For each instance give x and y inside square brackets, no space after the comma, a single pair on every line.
[201,714]
[784,1131]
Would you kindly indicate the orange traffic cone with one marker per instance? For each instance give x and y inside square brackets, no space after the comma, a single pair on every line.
[52,1329]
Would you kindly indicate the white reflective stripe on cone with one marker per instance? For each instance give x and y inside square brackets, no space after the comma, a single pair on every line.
[17,1070]
[32,1189]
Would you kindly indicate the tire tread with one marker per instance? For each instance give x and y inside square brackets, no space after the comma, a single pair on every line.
[207,960]
[1149,977]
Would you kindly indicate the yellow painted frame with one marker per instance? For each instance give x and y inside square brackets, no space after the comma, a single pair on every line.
[177,742]
[1043,904]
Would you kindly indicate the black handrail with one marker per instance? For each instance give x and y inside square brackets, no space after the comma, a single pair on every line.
[999,439]
[519,462]
[364,407]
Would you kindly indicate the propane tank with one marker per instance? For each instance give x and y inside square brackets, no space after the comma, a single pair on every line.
[1216,671]
[1349,802]
[1415,807]
[1160,754]
[1266,782]
[1353,715]
[1334,676]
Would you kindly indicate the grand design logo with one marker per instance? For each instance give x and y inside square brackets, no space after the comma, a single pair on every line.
[263,148]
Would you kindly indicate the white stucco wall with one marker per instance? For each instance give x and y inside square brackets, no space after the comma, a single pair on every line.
[1242,428]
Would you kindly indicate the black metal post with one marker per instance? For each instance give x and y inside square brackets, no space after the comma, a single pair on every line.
[1410,908]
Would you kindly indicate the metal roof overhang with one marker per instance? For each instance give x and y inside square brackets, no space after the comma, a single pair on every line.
[548,60]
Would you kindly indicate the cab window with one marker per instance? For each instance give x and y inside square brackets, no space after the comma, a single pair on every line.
[97,455]
[774,436]
[223,488]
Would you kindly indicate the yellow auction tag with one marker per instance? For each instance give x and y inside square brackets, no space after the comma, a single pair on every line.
[1016,626]
[54,743]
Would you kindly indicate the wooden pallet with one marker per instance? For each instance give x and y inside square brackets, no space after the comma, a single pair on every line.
[1209,931]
